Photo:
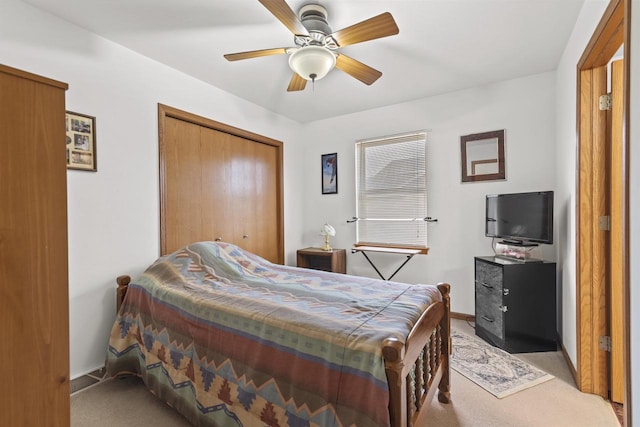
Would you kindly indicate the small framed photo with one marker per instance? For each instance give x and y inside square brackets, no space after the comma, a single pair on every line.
[81,142]
[330,173]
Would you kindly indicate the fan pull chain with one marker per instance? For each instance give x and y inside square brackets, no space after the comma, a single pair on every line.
[313,81]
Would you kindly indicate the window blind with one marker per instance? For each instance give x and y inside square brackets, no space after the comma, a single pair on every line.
[391,190]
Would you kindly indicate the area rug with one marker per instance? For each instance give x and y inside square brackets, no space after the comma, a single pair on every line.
[493,369]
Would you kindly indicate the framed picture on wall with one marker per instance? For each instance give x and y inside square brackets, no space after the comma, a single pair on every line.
[482,156]
[330,173]
[81,142]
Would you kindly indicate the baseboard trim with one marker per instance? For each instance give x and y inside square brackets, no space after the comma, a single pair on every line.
[463,316]
[567,359]
[88,380]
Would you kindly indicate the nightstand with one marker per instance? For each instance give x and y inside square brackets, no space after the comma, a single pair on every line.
[334,261]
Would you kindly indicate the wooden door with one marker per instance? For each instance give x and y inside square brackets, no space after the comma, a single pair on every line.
[219,183]
[616,235]
[592,204]
[34,318]
[254,199]
[602,238]
[243,193]
[217,214]
[183,186]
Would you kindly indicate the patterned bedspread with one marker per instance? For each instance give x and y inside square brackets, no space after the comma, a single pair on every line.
[229,339]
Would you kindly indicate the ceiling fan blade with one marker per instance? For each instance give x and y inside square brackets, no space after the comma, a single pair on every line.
[296,83]
[377,27]
[255,54]
[357,69]
[281,10]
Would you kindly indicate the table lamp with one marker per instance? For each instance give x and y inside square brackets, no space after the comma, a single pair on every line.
[327,231]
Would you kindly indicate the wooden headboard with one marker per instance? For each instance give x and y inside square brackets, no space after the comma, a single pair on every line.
[218,182]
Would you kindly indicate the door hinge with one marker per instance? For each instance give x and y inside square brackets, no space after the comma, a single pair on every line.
[604,223]
[605,343]
[604,102]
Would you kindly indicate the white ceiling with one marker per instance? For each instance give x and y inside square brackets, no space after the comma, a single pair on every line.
[443,45]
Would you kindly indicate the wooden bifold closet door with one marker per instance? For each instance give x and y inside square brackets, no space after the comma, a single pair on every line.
[219,183]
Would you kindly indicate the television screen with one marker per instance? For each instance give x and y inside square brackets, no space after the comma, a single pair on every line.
[520,217]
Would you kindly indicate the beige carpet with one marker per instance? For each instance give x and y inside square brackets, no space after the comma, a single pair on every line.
[121,403]
[554,403]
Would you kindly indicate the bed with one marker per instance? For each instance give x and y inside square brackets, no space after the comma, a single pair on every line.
[230,339]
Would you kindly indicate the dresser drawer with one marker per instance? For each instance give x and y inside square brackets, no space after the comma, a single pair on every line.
[489,274]
[489,314]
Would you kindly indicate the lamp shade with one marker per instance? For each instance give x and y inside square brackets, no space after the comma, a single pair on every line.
[327,230]
[312,62]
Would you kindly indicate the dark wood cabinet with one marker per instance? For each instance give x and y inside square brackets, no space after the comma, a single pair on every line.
[515,304]
[319,259]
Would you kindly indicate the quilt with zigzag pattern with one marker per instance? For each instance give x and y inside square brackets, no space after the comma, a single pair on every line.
[230,339]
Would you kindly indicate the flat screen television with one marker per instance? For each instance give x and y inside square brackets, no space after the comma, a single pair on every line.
[520,218]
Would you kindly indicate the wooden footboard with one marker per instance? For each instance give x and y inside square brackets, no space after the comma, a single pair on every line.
[416,368]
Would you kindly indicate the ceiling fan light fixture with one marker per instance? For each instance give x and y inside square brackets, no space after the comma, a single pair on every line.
[312,62]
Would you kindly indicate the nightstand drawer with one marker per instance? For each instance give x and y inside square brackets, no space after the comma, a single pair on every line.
[318,259]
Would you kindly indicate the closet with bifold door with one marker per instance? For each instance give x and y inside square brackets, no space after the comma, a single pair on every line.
[218,182]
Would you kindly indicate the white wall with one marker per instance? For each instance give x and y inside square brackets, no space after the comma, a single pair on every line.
[566,153]
[114,213]
[524,107]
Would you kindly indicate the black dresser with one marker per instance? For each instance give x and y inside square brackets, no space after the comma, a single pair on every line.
[516,304]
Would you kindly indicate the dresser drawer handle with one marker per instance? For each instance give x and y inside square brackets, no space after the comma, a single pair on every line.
[488,319]
[486,286]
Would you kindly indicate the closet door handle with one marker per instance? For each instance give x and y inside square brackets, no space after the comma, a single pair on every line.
[245,236]
[218,239]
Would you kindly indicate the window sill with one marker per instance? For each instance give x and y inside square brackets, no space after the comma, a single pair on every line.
[395,249]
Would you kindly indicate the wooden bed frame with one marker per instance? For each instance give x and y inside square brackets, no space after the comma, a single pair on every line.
[415,369]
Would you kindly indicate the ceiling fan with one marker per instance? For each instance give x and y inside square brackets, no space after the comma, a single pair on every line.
[316,51]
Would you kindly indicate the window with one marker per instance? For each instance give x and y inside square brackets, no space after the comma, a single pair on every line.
[391,191]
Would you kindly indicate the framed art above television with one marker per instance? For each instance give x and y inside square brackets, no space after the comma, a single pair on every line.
[482,156]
